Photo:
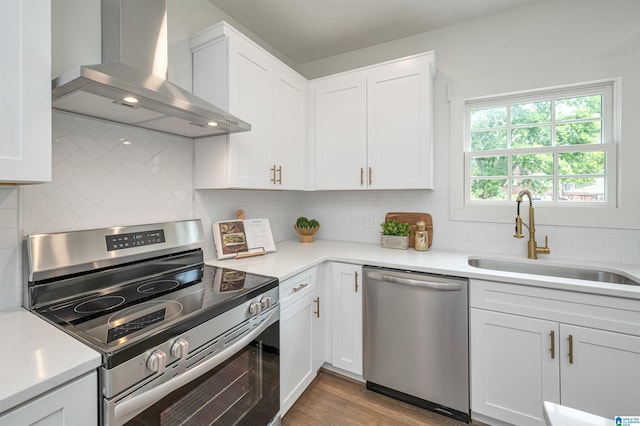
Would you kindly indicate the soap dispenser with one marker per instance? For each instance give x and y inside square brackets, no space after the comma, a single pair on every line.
[421,241]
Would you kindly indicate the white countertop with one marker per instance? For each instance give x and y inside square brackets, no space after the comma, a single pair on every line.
[293,257]
[37,357]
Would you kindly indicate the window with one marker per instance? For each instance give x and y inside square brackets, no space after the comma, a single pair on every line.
[558,143]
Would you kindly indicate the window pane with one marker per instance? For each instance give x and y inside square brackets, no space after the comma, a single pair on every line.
[531,113]
[488,117]
[488,140]
[540,188]
[585,190]
[530,137]
[589,132]
[489,166]
[488,189]
[579,108]
[582,163]
[532,164]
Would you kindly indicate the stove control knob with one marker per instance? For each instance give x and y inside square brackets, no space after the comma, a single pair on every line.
[157,361]
[255,308]
[180,348]
[265,302]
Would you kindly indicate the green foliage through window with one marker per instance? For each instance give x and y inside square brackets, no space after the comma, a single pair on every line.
[551,144]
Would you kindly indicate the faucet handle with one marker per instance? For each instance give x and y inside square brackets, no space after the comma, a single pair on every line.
[545,249]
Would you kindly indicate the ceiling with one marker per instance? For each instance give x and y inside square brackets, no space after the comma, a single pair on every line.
[307,30]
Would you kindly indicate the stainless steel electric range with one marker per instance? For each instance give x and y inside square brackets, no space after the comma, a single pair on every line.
[181,342]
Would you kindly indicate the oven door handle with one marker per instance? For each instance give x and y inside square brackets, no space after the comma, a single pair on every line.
[144,400]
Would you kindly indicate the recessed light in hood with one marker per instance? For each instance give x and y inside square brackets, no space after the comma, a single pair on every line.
[124,87]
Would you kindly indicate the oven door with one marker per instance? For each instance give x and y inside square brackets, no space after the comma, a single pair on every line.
[239,385]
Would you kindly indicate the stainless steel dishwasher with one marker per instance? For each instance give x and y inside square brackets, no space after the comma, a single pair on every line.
[416,339]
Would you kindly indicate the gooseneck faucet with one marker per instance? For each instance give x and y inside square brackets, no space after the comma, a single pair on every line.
[532,246]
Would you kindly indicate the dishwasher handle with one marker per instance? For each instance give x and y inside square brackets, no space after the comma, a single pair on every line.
[443,286]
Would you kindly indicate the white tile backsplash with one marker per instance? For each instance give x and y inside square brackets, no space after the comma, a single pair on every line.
[107,175]
[99,181]
[9,247]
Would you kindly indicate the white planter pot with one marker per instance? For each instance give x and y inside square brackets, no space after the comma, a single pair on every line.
[394,241]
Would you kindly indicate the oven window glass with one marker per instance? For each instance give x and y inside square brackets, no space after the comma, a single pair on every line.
[244,390]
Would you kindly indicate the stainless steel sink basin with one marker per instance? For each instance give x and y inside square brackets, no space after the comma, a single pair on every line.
[604,276]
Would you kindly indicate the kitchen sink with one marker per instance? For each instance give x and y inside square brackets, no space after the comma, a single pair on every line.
[600,275]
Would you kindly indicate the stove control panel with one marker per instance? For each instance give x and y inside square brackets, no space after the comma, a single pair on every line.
[134,239]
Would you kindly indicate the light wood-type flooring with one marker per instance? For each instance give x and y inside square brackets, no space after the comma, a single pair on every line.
[332,399]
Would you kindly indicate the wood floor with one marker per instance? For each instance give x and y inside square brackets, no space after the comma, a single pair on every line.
[333,399]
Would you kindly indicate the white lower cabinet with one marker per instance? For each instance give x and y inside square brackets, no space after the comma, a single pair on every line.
[299,333]
[346,317]
[603,373]
[512,369]
[75,403]
[530,345]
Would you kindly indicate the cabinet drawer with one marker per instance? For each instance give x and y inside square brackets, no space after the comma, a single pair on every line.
[584,309]
[297,287]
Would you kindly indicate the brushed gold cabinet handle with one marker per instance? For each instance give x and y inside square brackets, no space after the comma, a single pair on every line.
[273,170]
[300,287]
[370,178]
[356,281]
[361,176]
[570,339]
[279,175]
[552,334]
[317,301]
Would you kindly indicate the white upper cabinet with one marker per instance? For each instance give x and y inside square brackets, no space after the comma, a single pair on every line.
[373,126]
[234,73]
[25,95]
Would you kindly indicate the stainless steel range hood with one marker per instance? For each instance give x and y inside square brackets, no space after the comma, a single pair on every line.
[130,85]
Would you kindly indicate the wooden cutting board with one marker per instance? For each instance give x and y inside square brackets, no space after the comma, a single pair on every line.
[412,219]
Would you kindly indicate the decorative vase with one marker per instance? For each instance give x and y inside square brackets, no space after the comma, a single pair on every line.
[394,241]
[306,234]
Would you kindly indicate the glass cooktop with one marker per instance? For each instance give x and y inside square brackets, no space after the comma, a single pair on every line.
[111,320]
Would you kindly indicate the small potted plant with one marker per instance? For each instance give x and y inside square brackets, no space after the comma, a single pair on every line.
[306,229]
[395,234]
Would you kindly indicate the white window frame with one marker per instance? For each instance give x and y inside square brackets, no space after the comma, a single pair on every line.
[604,89]
[608,213]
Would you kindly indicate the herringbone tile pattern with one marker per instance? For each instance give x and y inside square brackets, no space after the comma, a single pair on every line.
[106,174]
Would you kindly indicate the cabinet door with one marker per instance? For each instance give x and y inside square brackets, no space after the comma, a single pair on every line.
[346,329]
[320,315]
[399,114]
[75,403]
[250,98]
[296,351]
[25,95]
[513,370]
[289,129]
[603,373]
[341,132]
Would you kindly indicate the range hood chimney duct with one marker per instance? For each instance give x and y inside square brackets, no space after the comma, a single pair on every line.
[130,86]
